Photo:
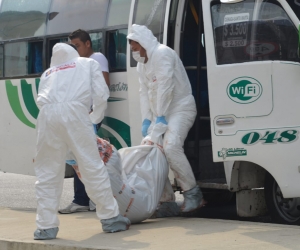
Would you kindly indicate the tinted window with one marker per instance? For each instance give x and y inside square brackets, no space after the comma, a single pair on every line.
[35,57]
[118,12]
[23,18]
[69,15]
[172,23]
[15,58]
[51,44]
[96,41]
[151,13]
[116,47]
[1,59]
[242,35]
[295,5]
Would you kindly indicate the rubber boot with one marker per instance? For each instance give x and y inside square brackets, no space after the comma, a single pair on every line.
[167,209]
[115,224]
[45,234]
[192,199]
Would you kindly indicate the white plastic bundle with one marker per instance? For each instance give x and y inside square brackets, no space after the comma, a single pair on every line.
[138,175]
[144,175]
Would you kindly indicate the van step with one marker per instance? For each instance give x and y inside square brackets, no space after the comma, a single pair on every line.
[210,184]
[213,184]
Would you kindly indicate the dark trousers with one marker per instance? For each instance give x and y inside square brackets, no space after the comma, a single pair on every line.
[80,196]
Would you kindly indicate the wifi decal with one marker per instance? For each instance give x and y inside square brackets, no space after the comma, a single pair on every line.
[244,90]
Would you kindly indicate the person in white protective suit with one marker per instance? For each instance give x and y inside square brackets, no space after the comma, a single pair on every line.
[166,97]
[64,125]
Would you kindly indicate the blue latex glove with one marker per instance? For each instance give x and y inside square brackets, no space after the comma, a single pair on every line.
[145,125]
[71,162]
[161,119]
[96,127]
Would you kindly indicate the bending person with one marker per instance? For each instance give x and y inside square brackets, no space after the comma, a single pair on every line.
[64,124]
[166,97]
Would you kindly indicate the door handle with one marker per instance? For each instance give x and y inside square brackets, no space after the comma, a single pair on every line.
[225,121]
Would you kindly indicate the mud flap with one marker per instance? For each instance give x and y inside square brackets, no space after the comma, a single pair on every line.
[250,203]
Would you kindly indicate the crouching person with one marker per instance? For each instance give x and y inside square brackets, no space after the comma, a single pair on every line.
[64,125]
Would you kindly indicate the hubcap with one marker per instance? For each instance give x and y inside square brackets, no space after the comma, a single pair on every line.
[288,208]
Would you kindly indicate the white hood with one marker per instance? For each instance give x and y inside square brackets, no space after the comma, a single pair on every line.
[62,53]
[144,36]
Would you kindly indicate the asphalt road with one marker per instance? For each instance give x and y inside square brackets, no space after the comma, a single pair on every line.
[17,192]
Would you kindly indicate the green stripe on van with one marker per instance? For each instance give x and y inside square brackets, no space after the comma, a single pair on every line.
[14,101]
[120,127]
[29,99]
[104,134]
[37,83]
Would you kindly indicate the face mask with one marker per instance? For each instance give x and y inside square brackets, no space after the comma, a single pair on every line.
[136,56]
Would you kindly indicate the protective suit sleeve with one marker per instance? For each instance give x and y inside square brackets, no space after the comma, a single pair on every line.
[164,70]
[41,90]
[144,100]
[100,93]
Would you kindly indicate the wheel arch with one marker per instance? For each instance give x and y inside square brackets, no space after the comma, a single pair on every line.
[246,175]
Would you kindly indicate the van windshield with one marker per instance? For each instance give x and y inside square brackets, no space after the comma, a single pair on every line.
[253,31]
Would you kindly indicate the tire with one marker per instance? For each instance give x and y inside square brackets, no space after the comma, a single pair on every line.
[282,210]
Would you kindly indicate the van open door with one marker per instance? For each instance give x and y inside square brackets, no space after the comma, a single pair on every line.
[253,81]
[247,41]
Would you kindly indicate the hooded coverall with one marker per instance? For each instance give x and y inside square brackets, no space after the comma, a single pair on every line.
[63,125]
[165,90]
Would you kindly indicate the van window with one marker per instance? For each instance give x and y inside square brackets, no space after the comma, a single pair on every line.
[15,59]
[116,49]
[51,43]
[118,12]
[152,14]
[295,5]
[251,31]
[172,23]
[23,18]
[1,60]
[35,57]
[69,15]
[96,41]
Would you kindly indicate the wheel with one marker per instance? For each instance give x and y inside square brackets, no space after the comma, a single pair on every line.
[282,210]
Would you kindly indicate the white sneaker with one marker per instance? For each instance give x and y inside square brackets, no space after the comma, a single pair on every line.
[73,208]
[92,206]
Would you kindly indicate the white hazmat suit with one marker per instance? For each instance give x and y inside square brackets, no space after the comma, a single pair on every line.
[165,91]
[63,125]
